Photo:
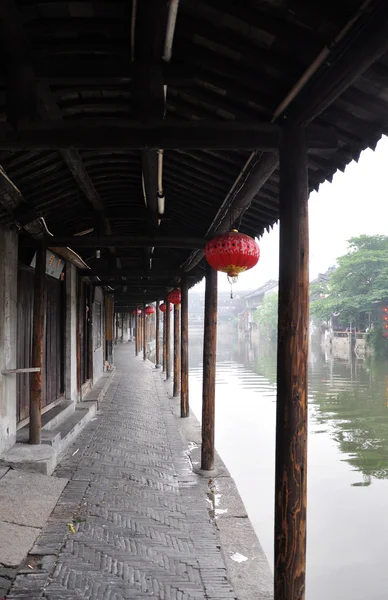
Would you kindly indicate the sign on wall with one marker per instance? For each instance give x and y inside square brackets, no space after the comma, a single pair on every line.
[54,264]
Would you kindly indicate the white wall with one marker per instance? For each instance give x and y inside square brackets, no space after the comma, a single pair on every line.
[98,352]
[8,319]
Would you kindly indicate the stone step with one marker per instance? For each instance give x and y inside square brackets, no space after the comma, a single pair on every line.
[43,458]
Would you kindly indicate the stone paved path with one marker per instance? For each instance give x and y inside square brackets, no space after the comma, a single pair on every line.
[142,527]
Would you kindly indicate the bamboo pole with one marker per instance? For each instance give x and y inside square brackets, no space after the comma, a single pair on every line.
[36,379]
[184,348]
[177,353]
[168,340]
[291,419]
[209,370]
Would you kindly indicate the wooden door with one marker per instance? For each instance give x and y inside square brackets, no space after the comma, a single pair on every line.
[53,370]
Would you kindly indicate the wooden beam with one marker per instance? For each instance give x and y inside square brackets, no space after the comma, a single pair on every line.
[113,134]
[177,357]
[36,380]
[137,241]
[127,273]
[184,348]
[209,370]
[291,420]
[79,71]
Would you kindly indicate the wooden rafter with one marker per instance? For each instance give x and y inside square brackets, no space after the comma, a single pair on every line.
[23,83]
[357,53]
[48,110]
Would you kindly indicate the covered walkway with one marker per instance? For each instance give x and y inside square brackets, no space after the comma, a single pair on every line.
[141,519]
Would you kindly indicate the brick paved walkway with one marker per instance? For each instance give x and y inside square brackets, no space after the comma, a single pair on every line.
[142,527]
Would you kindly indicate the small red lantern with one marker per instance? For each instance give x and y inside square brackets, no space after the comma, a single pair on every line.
[232,253]
[149,310]
[163,307]
[174,297]
[138,311]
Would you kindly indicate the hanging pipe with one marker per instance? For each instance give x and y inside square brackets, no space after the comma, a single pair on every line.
[168,42]
[161,198]
[171,22]
[133,28]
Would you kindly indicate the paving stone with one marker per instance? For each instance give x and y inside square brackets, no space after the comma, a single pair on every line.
[28,498]
[133,521]
[16,541]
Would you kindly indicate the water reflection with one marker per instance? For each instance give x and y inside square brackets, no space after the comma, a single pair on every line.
[348,458]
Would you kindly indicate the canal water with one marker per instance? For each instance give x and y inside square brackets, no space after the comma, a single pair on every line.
[347,540]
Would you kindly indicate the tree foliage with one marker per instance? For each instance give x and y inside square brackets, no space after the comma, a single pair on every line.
[266,316]
[360,280]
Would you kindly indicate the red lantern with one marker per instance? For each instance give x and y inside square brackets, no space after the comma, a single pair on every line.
[138,311]
[174,297]
[149,310]
[232,253]
[163,307]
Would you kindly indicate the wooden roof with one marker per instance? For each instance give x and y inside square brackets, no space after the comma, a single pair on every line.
[83,62]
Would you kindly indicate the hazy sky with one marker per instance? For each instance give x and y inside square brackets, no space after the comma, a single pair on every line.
[355,203]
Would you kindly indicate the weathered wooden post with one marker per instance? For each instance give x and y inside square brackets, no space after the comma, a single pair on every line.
[157,334]
[144,324]
[36,381]
[164,342]
[177,352]
[184,347]
[168,340]
[108,329]
[291,419]
[117,328]
[209,370]
[137,332]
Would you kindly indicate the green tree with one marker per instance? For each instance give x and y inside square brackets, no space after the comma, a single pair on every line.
[360,280]
[266,316]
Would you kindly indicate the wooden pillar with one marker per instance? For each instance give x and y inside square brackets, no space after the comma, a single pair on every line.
[291,418]
[164,342]
[168,340]
[144,332]
[79,333]
[137,337]
[157,334]
[177,352]
[109,329]
[38,335]
[117,329]
[184,348]
[209,370]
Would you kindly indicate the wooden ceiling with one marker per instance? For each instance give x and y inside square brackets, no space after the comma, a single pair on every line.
[99,64]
